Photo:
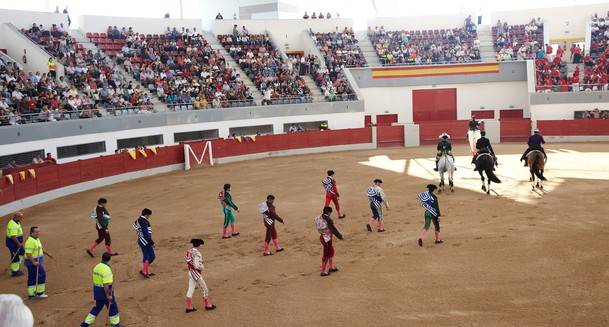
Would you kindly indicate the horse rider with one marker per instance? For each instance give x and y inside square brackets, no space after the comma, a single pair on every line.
[483,145]
[473,124]
[535,142]
[444,146]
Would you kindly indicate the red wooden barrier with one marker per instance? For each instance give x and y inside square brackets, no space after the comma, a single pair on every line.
[387,136]
[430,131]
[484,114]
[515,130]
[511,114]
[579,127]
[53,176]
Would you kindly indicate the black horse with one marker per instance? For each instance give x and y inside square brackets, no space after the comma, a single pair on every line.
[486,164]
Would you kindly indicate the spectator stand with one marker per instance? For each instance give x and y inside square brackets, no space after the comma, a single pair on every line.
[519,42]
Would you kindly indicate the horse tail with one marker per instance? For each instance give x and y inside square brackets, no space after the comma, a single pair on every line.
[491,175]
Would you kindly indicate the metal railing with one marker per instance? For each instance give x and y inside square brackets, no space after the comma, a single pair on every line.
[40,117]
[183,106]
[571,88]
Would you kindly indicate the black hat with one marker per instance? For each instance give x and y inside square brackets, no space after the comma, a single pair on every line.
[431,187]
[197,242]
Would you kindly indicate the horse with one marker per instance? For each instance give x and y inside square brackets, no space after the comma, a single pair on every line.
[485,164]
[472,137]
[446,164]
[536,162]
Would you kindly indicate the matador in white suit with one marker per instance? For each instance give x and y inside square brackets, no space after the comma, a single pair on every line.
[194,263]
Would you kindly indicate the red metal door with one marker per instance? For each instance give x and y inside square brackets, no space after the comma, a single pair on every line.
[434,104]
[386,120]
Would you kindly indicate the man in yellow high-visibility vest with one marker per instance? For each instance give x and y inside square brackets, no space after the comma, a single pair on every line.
[103,293]
[52,67]
[14,243]
[36,275]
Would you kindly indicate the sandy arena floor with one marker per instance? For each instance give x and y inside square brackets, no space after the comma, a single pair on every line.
[518,258]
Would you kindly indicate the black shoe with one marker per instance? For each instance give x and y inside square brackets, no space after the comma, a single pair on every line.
[144,274]
[420,242]
[90,253]
[324,274]
[16,273]
[439,242]
[280,250]
[333,270]
[236,234]
[435,169]
[211,307]
[191,310]
[368,227]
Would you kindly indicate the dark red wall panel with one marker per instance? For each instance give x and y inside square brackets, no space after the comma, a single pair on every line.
[7,191]
[69,173]
[91,169]
[386,120]
[429,132]
[484,114]
[390,136]
[47,178]
[579,127]
[511,114]
[434,104]
[515,130]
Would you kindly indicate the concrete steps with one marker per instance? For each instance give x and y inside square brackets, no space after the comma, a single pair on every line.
[367,49]
[487,50]
[315,90]
[213,41]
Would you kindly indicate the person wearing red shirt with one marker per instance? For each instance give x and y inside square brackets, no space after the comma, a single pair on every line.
[563,85]
[559,51]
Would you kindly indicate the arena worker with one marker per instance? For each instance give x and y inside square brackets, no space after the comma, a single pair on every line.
[14,243]
[36,277]
[145,242]
[269,216]
[377,198]
[103,294]
[102,219]
[194,263]
[326,228]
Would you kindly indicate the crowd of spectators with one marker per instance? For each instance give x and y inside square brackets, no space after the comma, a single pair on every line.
[94,80]
[35,97]
[518,42]
[278,80]
[426,46]
[182,69]
[592,114]
[591,72]
[340,48]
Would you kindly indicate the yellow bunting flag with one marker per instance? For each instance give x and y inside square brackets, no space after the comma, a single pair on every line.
[238,138]
[143,152]
[253,137]
[154,150]
[132,154]
[22,175]
[32,172]
[10,179]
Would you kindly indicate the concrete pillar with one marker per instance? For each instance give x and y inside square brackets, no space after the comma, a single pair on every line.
[493,130]
[411,135]
[374,136]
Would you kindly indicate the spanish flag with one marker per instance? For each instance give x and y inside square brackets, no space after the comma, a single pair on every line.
[22,175]
[153,149]
[132,154]
[10,179]
[435,70]
[32,172]
[143,152]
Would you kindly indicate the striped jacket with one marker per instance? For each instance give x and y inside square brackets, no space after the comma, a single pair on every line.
[329,185]
[194,263]
[144,231]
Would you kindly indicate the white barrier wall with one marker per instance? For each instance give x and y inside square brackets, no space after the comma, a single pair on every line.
[419,22]
[398,100]
[563,111]
[24,19]
[286,32]
[99,24]
[562,22]
[335,121]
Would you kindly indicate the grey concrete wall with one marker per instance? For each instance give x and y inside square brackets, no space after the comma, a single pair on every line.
[508,72]
[569,97]
[41,131]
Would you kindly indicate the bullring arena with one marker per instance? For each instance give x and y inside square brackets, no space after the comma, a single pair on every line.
[521,254]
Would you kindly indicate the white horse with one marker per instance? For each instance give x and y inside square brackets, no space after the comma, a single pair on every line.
[473,137]
[446,164]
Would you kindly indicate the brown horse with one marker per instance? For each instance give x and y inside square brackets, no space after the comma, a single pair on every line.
[536,162]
